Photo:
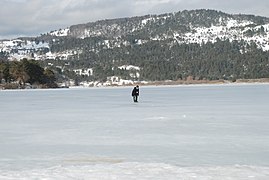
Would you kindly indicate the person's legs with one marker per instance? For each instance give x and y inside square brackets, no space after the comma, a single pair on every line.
[135,98]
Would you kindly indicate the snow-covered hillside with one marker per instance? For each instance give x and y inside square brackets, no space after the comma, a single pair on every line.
[18,49]
[125,41]
[222,27]
[233,30]
[199,26]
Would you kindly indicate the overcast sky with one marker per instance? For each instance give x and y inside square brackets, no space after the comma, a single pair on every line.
[33,17]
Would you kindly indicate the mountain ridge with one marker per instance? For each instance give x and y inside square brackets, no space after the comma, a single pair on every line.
[183,22]
[197,16]
[170,25]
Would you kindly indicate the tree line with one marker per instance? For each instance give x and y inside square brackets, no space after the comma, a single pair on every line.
[19,74]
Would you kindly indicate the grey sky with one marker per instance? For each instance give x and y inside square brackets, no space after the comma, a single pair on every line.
[33,17]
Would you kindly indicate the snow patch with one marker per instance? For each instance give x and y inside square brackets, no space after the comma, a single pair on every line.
[129,67]
[85,72]
[61,32]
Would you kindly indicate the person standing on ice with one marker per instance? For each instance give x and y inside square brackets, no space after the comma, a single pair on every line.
[135,93]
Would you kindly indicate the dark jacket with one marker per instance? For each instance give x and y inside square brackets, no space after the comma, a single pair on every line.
[135,91]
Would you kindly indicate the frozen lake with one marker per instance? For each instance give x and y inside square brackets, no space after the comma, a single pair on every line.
[179,132]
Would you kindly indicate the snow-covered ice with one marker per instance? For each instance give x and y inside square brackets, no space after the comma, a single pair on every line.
[178,132]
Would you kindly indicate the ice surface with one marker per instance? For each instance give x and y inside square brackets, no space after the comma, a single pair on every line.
[140,171]
[178,132]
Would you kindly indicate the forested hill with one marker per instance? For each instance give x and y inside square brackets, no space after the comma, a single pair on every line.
[201,44]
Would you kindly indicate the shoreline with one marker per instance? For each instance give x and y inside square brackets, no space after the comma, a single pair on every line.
[187,83]
[165,83]
[209,82]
